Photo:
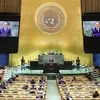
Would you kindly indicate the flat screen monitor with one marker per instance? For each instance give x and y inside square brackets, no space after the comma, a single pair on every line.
[9,29]
[91,28]
[91,32]
[9,32]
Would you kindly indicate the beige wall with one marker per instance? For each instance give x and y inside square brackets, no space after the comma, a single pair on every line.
[69,40]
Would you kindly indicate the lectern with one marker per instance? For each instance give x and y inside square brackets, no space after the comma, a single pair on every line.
[51,68]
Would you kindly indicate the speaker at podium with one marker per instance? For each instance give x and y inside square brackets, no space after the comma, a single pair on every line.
[51,68]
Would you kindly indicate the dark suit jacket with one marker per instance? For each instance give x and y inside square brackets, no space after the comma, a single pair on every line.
[78,62]
[51,60]
[5,33]
[62,82]
[95,95]
[22,61]
[95,32]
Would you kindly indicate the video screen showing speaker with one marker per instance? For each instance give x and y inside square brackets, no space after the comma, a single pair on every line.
[9,32]
[9,29]
[91,28]
[91,32]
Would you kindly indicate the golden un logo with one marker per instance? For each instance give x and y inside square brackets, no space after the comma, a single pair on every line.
[50,18]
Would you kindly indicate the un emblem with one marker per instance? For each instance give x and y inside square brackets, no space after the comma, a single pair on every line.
[50,18]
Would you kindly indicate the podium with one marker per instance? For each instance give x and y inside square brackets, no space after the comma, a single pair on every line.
[51,68]
[43,59]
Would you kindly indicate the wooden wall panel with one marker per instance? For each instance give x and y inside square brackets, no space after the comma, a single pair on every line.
[83,6]
[95,6]
[99,5]
[13,6]
[2,5]
[90,6]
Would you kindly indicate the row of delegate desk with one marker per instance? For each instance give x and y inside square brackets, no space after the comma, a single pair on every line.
[43,64]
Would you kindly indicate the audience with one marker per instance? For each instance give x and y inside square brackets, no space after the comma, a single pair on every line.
[74,79]
[41,81]
[32,81]
[17,76]
[61,81]
[77,87]
[39,91]
[59,76]
[2,85]
[95,82]
[33,87]
[68,97]
[25,87]
[40,97]
[95,94]
[13,78]
[89,76]
[41,87]
[43,78]
[9,81]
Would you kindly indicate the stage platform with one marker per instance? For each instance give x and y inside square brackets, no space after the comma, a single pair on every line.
[27,71]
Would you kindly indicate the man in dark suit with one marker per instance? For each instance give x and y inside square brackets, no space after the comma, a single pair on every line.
[96,30]
[51,60]
[22,63]
[78,62]
[5,31]
[61,81]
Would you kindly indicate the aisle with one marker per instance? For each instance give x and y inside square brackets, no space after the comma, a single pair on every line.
[52,91]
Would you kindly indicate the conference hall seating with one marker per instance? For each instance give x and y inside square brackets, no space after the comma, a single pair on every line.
[82,89]
[15,90]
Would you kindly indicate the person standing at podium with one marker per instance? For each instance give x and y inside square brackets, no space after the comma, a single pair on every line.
[51,60]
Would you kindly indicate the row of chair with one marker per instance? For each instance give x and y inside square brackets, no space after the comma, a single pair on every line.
[15,91]
[80,89]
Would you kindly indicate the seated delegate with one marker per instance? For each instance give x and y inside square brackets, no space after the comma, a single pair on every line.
[61,81]
[51,53]
[95,94]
